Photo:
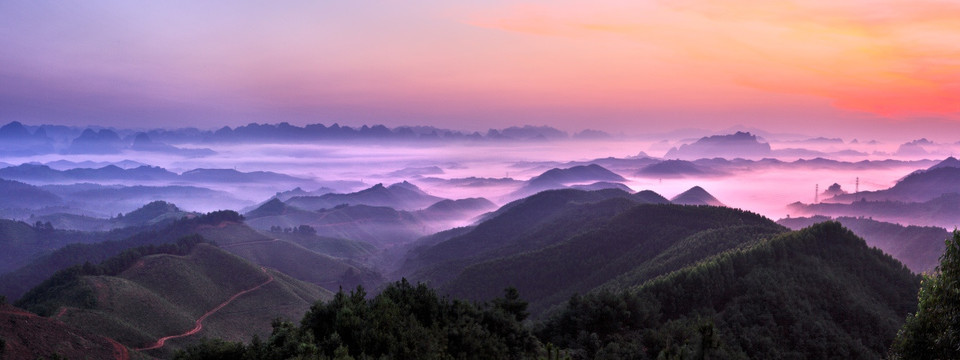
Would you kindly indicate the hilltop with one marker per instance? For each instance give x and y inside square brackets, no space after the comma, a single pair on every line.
[816,293]
[696,196]
[141,300]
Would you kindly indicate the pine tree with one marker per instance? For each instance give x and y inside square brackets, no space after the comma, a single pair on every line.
[934,331]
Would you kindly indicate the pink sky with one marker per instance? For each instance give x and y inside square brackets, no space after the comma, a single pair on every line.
[871,67]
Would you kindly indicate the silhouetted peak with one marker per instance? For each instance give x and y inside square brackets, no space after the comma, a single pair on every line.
[948,162]
[142,138]
[696,196]
[14,130]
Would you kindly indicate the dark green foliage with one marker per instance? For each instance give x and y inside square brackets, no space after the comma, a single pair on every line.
[402,322]
[628,248]
[20,241]
[816,293]
[524,225]
[65,285]
[933,332]
[212,349]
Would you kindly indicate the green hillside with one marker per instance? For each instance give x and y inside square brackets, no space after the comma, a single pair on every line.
[817,293]
[918,247]
[15,283]
[24,335]
[20,242]
[532,223]
[164,294]
[289,258]
[633,246]
[336,247]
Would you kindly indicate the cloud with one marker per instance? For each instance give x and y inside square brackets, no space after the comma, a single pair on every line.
[894,58]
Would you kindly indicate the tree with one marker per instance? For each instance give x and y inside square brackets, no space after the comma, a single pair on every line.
[933,332]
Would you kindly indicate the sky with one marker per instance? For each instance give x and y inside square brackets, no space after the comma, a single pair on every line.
[868,68]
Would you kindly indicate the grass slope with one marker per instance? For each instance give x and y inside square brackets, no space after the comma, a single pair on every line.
[163,295]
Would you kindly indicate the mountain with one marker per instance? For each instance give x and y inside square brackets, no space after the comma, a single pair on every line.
[557,178]
[576,174]
[287,195]
[816,293]
[919,186]
[942,211]
[16,140]
[650,197]
[28,336]
[917,247]
[456,209]
[88,164]
[155,212]
[103,141]
[676,169]
[142,142]
[377,225]
[523,225]
[141,301]
[15,194]
[234,176]
[737,145]
[630,247]
[600,185]
[46,174]
[289,257]
[112,199]
[416,172]
[401,196]
[97,247]
[358,251]
[948,162]
[20,242]
[696,196]
[528,132]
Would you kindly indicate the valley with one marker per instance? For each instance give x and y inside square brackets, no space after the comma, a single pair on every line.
[167,256]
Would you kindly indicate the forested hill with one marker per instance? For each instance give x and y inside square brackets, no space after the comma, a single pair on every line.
[628,247]
[816,293]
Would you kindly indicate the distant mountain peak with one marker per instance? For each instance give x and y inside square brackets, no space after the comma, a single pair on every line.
[13,130]
[696,196]
[948,162]
[740,144]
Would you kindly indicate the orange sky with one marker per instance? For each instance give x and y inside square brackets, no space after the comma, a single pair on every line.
[614,65]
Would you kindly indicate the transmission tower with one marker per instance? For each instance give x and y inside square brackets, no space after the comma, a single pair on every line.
[816,194]
[857,188]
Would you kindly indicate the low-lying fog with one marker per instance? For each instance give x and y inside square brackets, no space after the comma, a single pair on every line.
[345,168]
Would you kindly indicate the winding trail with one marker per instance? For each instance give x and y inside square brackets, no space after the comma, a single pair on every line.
[121,351]
[199,322]
[249,243]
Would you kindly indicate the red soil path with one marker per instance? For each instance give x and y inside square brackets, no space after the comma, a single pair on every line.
[60,313]
[121,351]
[199,322]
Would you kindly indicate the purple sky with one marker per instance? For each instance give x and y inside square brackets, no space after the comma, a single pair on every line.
[802,66]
